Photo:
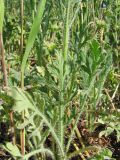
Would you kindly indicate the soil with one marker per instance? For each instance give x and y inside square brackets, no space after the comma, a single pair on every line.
[88,138]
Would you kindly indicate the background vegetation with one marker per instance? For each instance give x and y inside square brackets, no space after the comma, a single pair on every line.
[60,74]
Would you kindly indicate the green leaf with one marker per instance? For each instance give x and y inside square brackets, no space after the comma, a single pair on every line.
[33,33]
[42,150]
[26,122]
[22,100]
[41,70]
[12,149]
[95,50]
[46,121]
[1,14]
[103,154]
[101,121]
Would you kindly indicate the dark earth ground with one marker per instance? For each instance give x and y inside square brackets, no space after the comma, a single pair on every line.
[88,138]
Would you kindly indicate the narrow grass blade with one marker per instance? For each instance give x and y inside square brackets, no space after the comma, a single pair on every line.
[33,33]
[1,14]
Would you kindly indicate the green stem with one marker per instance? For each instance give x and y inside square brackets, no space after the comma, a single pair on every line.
[62,71]
[61,110]
[22,14]
[22,134]
[66,32]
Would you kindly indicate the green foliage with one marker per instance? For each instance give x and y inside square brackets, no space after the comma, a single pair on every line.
[33,33]
[112,125]
[1,15]
[72,53]
[104,154]
[20,105]
[13,150]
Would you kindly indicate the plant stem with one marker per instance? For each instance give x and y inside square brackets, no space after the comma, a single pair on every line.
[81,141]
[22,134]
[80,154]
[12,128]
[66,32]
[4,64]
[63,63]
[6,87]
[61,110]
[3,61]
[22,14]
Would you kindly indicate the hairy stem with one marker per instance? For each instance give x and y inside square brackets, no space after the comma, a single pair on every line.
[66,32]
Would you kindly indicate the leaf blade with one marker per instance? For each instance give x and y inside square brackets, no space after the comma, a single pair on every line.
[33,33]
